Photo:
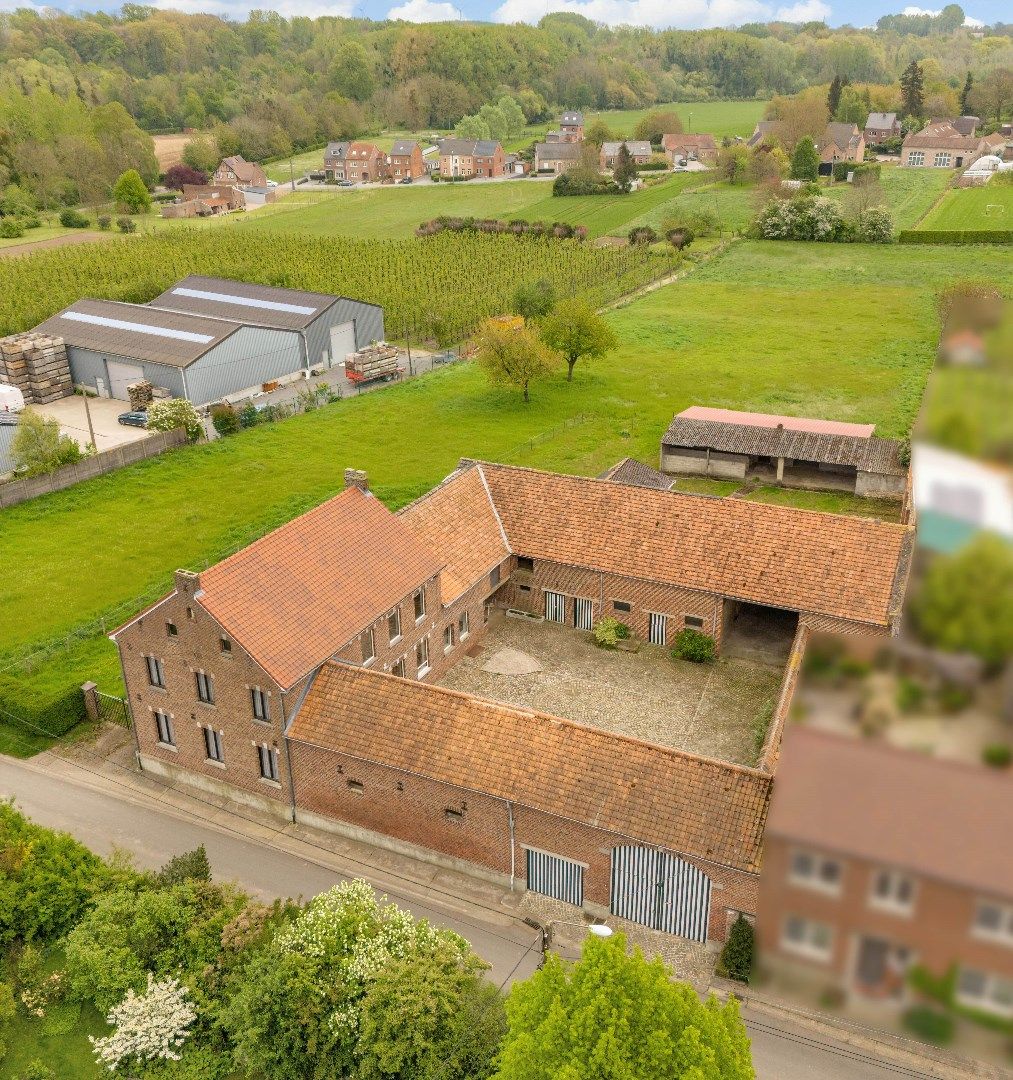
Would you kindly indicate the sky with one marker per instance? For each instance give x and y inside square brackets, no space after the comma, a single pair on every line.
[677,14]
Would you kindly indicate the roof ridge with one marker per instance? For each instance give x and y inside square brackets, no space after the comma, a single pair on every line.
[495,511]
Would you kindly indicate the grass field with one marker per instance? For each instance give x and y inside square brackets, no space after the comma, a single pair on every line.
[908,193]
[756,328]
[988,207]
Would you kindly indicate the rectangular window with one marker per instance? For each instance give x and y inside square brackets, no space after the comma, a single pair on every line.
[815,872]
[268,756]
[420,605]
[164,728]
[213,748]
[463,626]
[355,787]
[525,564]
[398,669]
[366,644]
[448,638]
[892,891]
[172,629]
[422,657]
[621,605]
[156,675]
[261,704]
[916,157]
[979,990]
[205,688]
[694,621]
[226,645]
[806,937]
[994,921]
[494,577]
[657,628]
[453,815]
[394,625]
[942,161]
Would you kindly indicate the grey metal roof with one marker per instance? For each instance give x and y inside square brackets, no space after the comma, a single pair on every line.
[561,151]
[881,120]
[138,332]
[572,119]
[469,147]
[403,147]
[245,302]
[871,454]
[763,127]
[635,147]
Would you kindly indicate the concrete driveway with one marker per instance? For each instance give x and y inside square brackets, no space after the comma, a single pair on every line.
[70,413]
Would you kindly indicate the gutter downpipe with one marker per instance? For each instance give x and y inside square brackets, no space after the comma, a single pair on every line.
[513,849]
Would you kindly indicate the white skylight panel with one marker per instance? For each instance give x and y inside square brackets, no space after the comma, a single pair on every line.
[138,328]
[245,301]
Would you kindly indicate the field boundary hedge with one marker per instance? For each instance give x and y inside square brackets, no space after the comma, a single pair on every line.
[955,236]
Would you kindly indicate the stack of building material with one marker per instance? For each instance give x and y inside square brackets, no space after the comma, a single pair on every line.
[37,365]
[373,362]
[140,394]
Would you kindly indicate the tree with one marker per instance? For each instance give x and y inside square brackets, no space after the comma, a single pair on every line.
[472,127]
[147,1027]
[352,73]
[834,96]
[598,132]
[733,163]
[805,161]
[178,175]
[202,154]
[577,332]
[912,89]
[993,94]
[965,95]
[625,169]
[513,116]
[656,123]
[767,165]
[613,1015]
[965,603]
[131,193]
[514,357]
[736,959]
[533,299]
[38,447]
[172,413]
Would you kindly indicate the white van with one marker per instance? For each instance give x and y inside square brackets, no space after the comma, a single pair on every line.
[11,399]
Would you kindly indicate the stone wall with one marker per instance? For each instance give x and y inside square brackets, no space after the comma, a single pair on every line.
[37,365]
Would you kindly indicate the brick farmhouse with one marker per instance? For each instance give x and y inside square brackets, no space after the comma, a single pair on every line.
[947,144]
[405,160]
[359,162]
[237,170]
[471,157]
[640,151]
[701,147]
[298,675]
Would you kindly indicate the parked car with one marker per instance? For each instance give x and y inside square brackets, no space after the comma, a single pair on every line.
[406,180]
[272,183]
[345,183]
[133,419]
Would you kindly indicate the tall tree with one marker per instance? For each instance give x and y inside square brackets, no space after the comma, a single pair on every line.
[834,95]
[805,161]
[533,299]
[912,89]
[656,123]
[613,1015]
[38,447]
[965,94]
[131,193]
[578,332]
[512,356]
[625,170]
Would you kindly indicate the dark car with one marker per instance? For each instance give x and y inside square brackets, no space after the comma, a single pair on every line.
[406,180]
[133,419]
[345,183]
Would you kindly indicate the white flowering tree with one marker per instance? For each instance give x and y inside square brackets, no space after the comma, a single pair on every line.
[150,1026]
[171,413]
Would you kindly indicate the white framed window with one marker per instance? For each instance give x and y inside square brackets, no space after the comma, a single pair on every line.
[813,871]
[214,749]
[394,625]
[448,638]
[463,626]
[261,703]
[892,890]
[268,758]
[806,937]
[916,157]
[993,921]
[942,160]
[164,729]
[422,657]
[205,688]
[367,646]
[419,601]
[980,990]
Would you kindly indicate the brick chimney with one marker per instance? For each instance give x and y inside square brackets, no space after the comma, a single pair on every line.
[356,478]
[187,582]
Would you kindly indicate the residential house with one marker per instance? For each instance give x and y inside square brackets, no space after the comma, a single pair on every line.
[881,126]
[877,861]
[640,151]
[238,171]
[359,162]
[941,145]
[471,157]
[763,130]
[841,142]
[205,200]
[571,124]
[787,450]
[405,160]
[308,686]
[515,165]
[557,157]
[966,125]
[701,147]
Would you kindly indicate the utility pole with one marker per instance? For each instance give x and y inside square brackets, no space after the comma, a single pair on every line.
[291,171]
[408,342]
[87,412]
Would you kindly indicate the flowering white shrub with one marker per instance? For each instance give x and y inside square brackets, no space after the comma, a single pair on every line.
[825,216]
[171,413]
[149,1026]
[803,217]
[874,225]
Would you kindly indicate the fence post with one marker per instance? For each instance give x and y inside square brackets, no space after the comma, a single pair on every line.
[90,700]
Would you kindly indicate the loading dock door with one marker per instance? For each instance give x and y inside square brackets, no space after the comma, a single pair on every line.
[121,376]
[661,891]
[553,876]
[342,341]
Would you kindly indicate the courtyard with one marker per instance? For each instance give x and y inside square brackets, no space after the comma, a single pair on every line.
[708,709]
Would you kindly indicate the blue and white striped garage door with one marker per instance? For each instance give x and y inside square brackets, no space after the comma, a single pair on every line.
[556,877]
[661,891]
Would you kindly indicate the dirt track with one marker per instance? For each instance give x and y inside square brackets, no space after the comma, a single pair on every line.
[52,242]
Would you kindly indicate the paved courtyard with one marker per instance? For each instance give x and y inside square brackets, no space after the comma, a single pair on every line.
[706,709]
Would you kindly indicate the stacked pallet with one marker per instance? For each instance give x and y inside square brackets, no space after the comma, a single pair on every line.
[37,365]
[373,362]
[140,394]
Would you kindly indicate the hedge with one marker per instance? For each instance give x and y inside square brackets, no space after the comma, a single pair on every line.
[955,236]
[53,713]
[861,171]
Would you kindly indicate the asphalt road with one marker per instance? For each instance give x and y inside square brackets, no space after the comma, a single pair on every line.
[154,834]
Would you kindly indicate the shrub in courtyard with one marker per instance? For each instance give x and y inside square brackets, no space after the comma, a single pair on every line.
[73,219]
[930,1025]
[248,415]
[998,755]
[225,419]
[694,646]
[736,959]
[175,413]
[608,632]
[39,447]
[910,695]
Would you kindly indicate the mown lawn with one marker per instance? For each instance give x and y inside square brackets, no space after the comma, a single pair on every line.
[718,118]
[908,193]
[988,207]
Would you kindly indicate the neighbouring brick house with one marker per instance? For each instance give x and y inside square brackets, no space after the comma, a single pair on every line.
[841,142]
[701,147]
[881,126]
[571,126]
[405,160]
[471,157]
[205,200]
[640,151]
[298,674]
[557,157]
[238,171]
[359,162]
[942,145]
[858,888]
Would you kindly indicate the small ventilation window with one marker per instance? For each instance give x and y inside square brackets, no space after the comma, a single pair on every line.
[452,814]
[356,787]
[694,621]
[172,629]
[526,564]
[621,605]
[226,646]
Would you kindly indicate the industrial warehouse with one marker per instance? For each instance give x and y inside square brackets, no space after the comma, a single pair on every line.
[207,339]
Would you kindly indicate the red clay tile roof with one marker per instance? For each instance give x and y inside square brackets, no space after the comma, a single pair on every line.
[459,520]
[895,807]
[700,142]
[651,793]
[297,595]
[772,420]
[847,567]
[635,473]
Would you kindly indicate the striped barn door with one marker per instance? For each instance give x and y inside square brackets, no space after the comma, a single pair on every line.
[555,607]
[583,613]
[553,876]
[661,891]
[657,628]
